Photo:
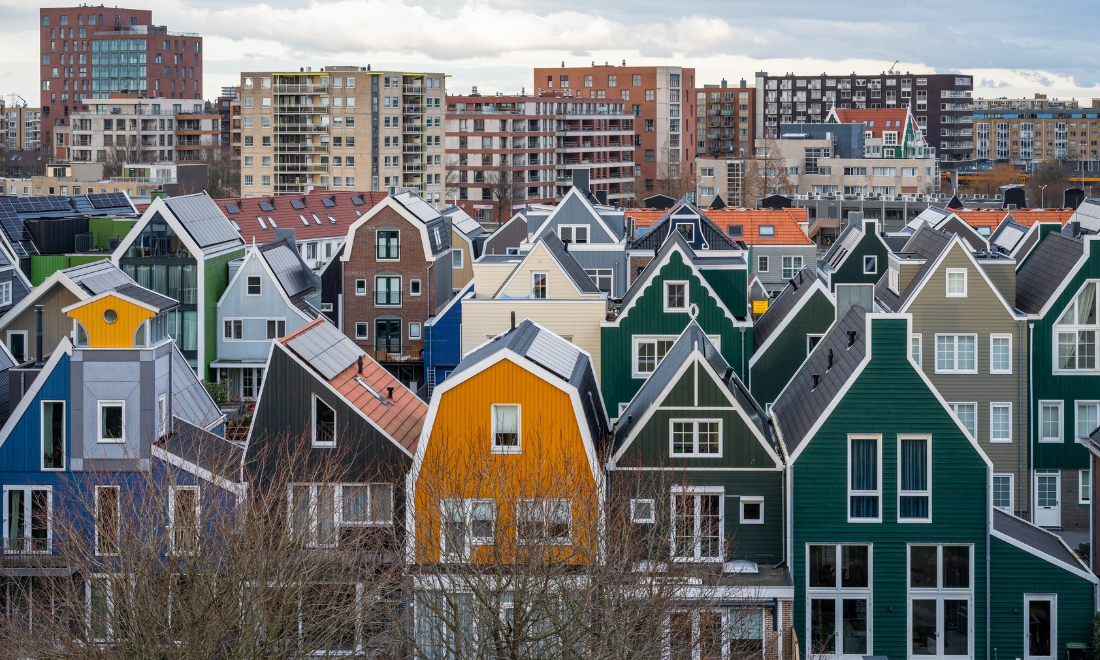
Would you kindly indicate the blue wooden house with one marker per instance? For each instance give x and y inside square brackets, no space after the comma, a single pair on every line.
[443,340]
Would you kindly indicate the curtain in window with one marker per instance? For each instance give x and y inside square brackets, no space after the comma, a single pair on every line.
[914,477]
[160,279]
[864,469]
[190,291]
[15,515]
[190,331]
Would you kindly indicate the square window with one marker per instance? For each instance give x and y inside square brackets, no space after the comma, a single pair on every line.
[112,421]
[676,296]
[870,264]
[752,510]
[687,230]
[648,353]
[544,521]
[253,285]
[506,428]
[1088,417]
[414,330]
[643,511]
[956,282]
[232,329]
[791,267]
[956,354]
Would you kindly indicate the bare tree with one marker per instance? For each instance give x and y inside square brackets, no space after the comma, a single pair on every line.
[129,152]
[990,182]
[766,174]
[506,185]
[1046,184]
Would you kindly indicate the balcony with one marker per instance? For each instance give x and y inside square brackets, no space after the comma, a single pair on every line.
[412,110]
[302,109]
[397,353]
[412,148]
[308,88]
[387,298]
[301,149]
[301,168]
[413,89]
[315,129]
[412,129]
[413,169]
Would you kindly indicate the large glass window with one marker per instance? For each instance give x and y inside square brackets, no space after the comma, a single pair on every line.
[466,523]
[838,584]
[648,353]
[1076,333]
[940,600]
[698,523]
[53,435]
[864,479]
[544,521]
[915,494]
[28,512]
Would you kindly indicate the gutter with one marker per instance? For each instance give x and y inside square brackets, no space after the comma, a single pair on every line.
[1031,426]
[1020,418]
[988,570]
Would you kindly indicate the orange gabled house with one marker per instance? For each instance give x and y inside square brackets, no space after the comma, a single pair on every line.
[509,458]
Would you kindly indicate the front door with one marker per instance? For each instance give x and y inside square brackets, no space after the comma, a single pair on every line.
[1040,627]
[1048,506]
[939,627]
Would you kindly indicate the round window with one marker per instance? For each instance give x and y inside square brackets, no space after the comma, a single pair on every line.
[110,316]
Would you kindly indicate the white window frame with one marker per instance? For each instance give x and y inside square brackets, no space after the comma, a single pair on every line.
[751,499]
[947,278]
[366,330]
[28,520]
[1060,405]
[118,517]
[939,594]
[458,258]
[1084,490]
[370,486]
[231,326]
[5,293]
[360,287]
[505,449]
[573,233]
[916,340]
[636,343]
[546,503]
[1007,336]
[162,415]
[691,229]
[635,518]
[467,506]
[877,437]
[996,404]
[546,286]
[927,492]
[762,260]
[1077,403]
[313,423]
[42,435]
[313,515]
[419,331]
[1011,491]
[694,437]
[687,297]
[720,491]
[838,594]
[1053,598]
[794,271]
[809,336]
[954,410]
[100,405]
[955,353]
[172,490]
[1076,329]
[873,270]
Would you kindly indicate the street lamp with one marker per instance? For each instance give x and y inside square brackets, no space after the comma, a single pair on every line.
[1042,197]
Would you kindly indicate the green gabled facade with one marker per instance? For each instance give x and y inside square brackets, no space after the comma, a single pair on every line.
[860,416]
[717,292]
[693,429]
[846,261]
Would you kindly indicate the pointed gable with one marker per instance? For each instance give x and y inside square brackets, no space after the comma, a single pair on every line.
[687,219]
[566,278]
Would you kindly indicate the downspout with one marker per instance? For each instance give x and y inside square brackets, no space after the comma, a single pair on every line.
[744,376]
[988,535]
[1021,415]
[1031,425]
[428,302]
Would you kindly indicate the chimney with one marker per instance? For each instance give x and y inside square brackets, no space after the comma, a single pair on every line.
[389,393]
[513,320]
[566,245]
[38,361]
[742,83]
[723,83]
[360,364]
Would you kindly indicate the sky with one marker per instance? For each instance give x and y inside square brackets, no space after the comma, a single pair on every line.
[1011,48]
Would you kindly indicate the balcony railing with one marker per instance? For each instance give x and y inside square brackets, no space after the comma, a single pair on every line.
[301,148]
[414,89]
[308,88]
[387,252]
[412,128]
[412,110]
[301,128]
[387,298]
[412,148]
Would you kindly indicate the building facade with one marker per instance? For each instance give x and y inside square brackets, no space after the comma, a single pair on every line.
[22,128]
[725,121]
[1029,137]
[342,127]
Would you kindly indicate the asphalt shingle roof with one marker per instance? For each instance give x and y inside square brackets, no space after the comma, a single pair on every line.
[781,307]
[1035,537]
[1043,272]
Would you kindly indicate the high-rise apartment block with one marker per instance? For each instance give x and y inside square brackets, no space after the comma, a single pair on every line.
[133,130]
[726,120]
[940,103]
[1031,137]
[500,151]
[659,99]
[23,127]
[342,127]
[93,52]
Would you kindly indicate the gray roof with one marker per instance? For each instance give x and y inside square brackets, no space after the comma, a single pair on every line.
[1045,269]
[1088,214]
[546,349]
[926,244]
[204,449]
[326,349]
[293,274]
[462,221]
[650,393]
[1008,235]
[895,241]
[1035,537]
[843,246]
[780,308]
[956,225]
[800,404]
[103,276]
[569,264]
[431,218]
[152,298]
[204,221]
[659,231]
[190,400]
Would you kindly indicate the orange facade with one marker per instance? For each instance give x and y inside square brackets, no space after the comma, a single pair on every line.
[111,321]
[527,488]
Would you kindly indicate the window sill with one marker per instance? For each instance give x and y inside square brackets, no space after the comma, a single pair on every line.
[506,450]
[102,441]
[701,560]
[1000,442]
[323,445]
[956,372]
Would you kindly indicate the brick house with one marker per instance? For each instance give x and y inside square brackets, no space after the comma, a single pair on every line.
[396,273]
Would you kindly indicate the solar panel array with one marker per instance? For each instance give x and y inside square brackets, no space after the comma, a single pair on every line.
[288,269]
[326,349]
[203,220]
[114,200]
[554,353]
[1088,214]
[1008,236]
[417,206]
[95,278]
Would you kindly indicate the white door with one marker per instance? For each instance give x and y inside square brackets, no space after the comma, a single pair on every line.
[940,626]
[1048,505]
[1040,627]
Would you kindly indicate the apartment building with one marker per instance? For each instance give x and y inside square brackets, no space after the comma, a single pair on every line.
[22,128]
[1038,102]
[499,151]
[725,117]
[141,130]
[93,52]
[342,127]
[659,99]
[1028,138]
[941,104]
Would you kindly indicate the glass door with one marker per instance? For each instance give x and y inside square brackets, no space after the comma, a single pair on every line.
[941,600]
[1040,627]
[940,627]
[387,335]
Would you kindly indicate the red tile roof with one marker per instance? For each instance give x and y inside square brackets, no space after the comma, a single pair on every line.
[403,419]
[877,120]
[992,217]
[288,217]
[785,222]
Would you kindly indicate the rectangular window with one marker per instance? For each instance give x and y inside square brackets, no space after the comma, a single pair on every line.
[791,267]
[253,285]
[183,518]
[324,424]
[870,264]
[28,519]
[687,230]
[915,493]
[465,523]
[232,329]
[643,511]
[361,330]
[366,505]
[762,264]
[456,258]
[538,285]
[766,231]
[1084,481]
[360,287]
[573,233]
[968,415]
[1002,492]
[915,347]
[676,296]
[313,514]
[697,517]
[1000,354]
[940,600]
[544,521]
[388,247]
[864,479]
[276,328]
[1000,422]
[108,514]
[839,592]
[648,353]
[506,428]
[5,287]
[956,354]
[53,435]
[752,510]
[1050,421]
[1088,417]
[956,282]
[112,421]
[695,437]
[387,290]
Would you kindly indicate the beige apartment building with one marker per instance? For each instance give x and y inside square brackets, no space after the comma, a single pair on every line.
[1038,102]
[342,127]
[22,127]
[140,130]
[1030,137]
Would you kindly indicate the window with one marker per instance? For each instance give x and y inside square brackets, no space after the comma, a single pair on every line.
[601,277]
[648,353]
[112,425]
[1088,417]
[53,435]
[968,415]
[697,523]
[361,330]
[864,482]
[232,329]
[466,523]
[28,518]
[5,293]
[573,233]
[676,296]
[915,493]
[940,600]
[387,290]
[649,95]
[313,514]
[365,505]
[956,282]
[1084,481]
[636,80]
[767,231]
[108,520]
[687,230]
[414,287]
[915,348]
[506,428]
[360,287]
[1050,421]
[643,511]
[695,437]
[324,424]
[870,264]
[762,264]
[752,510]
[1076,332]
[183,518]
[956,354]
[1000,422]
[839,593]
[1000,354]
[414,330]
[253,285]
[538,285]
[1002,492]
[456,258]
[548,521]
[276,328]
[388,247]
[791,266]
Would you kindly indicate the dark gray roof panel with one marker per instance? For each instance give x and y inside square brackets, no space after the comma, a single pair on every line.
[326,349]
[1007,236]
[202,448]
[190,400]
[569,264]
[926,244]
[203,220]
[1043,272]
[659,231]
[102,276]
[293,275]
[782,306]
[643,278]
[1034,537]
[139,293]
[843,245]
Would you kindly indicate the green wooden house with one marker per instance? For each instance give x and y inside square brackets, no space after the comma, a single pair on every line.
[784,336]
[894,546]
[857,257]
[1056,286]
[677,286]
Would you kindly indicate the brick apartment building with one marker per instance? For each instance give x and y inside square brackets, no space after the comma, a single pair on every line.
[941,104]
[342,127]
[661,100]
[93,52]
[725,120]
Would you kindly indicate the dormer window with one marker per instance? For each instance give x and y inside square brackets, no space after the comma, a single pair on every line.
[573,233]
[687,230]
[767,231]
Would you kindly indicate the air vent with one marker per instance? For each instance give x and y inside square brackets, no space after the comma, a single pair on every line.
[851,338]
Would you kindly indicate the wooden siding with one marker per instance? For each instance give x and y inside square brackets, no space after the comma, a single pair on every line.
[490,276]
[775,367]
[443,342]
[254,311]
[460,277]
[215,279]
[958,477]
[55,323]
[851,271]
[552,461]
[21,450]
[117,334]
[773,279]
[732,287]
[539,260]
[508,235]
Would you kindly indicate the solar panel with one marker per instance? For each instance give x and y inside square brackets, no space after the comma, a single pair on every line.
[358,201]
[297,204]
[288,269]
[326,349]
[232,208]
[554,353]
[327,201]
[266,206]
[203,219]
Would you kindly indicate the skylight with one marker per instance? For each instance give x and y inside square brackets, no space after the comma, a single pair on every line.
[304,221]
[271,220]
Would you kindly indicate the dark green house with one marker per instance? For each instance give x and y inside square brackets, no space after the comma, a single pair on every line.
[784,336]
[894,546]
[857,257]
[677,286]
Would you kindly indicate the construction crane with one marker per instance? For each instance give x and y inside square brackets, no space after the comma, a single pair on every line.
[894,72]
[14,96]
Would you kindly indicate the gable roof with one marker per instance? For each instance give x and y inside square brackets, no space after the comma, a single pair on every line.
[799,288]
[847,241]
[566,261]
[784,221]
[576,196]
[927,244]
[659,231]
[190,400]
[462,222]
[334,359]
[1050,263]
[651,393]
[296,279]
[204,221]
[992,218]
[875,120]
[1038,541]
[196,450]
[435,233]
[799,406]
[320,214]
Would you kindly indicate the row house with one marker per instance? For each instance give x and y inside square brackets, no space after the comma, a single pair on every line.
[858,256]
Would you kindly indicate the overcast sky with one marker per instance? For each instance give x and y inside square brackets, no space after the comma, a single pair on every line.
[1012,48]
